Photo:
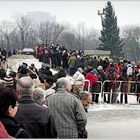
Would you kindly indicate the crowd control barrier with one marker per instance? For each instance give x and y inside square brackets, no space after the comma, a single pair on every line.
[110,90]
[97,91]
[88,88]
[114,88]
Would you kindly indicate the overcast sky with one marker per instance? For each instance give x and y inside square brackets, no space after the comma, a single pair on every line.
[74,12]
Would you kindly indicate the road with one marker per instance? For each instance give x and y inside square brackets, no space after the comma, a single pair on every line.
[114,121]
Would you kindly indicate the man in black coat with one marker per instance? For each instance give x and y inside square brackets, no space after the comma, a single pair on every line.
[36,119]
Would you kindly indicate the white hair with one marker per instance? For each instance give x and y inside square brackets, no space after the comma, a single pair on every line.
[61,82]
[39,95]
[25,86]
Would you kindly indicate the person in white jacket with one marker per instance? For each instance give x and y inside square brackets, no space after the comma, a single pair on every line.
[79,78]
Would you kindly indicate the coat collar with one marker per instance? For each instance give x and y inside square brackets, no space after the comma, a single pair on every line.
[9,121]
[61,90]
[26,99]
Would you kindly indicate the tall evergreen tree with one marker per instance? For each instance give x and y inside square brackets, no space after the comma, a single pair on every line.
[110,39]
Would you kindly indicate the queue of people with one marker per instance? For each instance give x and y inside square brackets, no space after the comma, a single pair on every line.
[32,107]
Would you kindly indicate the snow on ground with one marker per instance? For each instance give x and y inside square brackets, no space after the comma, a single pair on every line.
[17,60]
[105,106]
[132,104]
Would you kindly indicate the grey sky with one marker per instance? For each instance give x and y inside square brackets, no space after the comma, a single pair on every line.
[74,12]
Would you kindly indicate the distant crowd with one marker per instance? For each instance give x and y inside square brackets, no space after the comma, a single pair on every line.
[57,56]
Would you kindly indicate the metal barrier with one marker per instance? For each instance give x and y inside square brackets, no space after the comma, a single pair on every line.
[113,88]
[108,88]
[83,88]
[111,91]
[95,90]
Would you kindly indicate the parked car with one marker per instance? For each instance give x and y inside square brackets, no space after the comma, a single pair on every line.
[28,51]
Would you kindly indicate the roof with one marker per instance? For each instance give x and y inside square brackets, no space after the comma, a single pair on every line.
[97,52]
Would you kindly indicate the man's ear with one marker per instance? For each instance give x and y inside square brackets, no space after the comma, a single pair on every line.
[10,109]
[18,94]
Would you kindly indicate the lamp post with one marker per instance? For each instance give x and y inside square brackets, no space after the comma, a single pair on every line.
[101,14]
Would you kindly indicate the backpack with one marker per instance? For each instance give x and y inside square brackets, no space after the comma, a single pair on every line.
[22,133]
[129,71]
[19,132]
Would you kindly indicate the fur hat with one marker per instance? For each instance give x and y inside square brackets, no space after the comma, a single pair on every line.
[100,68]
[80,70]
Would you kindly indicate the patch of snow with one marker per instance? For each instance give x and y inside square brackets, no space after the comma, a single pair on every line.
[132,104]
[17,60]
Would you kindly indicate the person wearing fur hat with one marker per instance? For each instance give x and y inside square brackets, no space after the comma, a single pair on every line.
[101,74]
[79,78]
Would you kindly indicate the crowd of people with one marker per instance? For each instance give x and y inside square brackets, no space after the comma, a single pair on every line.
[31,108]
[35,103]
[94,69]
[58,56]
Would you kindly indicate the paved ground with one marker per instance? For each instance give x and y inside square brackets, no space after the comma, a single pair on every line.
[114,121]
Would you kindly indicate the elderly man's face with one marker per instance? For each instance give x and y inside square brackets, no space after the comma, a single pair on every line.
[86,101]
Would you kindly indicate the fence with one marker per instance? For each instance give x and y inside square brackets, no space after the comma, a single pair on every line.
[114,90]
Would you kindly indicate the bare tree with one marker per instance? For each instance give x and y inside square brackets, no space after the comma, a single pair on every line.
[92,41]
[131,37]
[69,40]
[6,28]
[15,39]
[56,32]
[23,25]
[32,39]
[50,32]
[43,32]
[80,35]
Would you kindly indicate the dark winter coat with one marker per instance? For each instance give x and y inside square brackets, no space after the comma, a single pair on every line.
[37,119]
[65,60]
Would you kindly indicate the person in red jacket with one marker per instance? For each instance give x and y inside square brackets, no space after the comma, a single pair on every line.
[40,52]
[92,76]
